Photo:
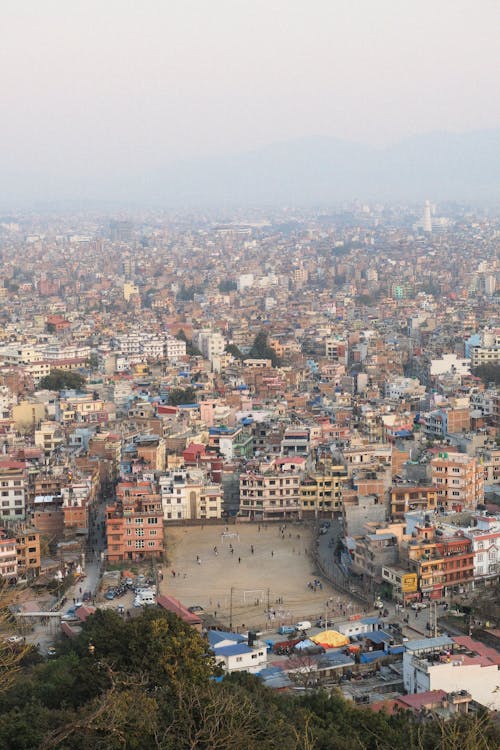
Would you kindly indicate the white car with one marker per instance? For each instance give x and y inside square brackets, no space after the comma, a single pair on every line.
[419,605]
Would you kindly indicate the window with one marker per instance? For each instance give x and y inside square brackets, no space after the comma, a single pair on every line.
[152,520]
[139,543]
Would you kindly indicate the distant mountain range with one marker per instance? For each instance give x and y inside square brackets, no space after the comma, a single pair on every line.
[316,170]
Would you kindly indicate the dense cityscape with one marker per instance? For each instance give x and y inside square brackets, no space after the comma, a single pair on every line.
[279,426]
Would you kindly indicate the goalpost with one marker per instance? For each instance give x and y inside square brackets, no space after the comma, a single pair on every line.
[228,535]
[254,595]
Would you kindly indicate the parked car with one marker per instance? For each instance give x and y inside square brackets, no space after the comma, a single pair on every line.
[110,594]
[286,629]
[303,625]
[196,608]
[419,605]
[70,614]
[51,652]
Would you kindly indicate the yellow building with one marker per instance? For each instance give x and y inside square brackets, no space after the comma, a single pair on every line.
[28,414]
[129,290]
[321,493]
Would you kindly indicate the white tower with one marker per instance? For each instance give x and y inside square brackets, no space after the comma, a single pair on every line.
[427,217]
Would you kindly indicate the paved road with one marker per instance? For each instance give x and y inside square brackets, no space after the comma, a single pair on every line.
[44,634]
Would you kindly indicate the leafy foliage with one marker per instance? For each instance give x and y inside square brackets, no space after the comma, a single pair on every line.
[488,373]
[59,380]
[148,684]
[227,285]
[182,396]
[235,351]
[261,350]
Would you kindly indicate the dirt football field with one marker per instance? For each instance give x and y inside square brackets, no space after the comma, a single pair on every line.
[266,571]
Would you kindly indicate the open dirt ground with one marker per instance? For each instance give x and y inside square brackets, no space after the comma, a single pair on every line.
[276,573]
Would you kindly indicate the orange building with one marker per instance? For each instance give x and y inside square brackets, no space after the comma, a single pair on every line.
[134,524]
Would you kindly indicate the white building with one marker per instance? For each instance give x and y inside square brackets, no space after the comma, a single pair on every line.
[12,490]
[449,363]
[400,387]
[485,539]
[174,348]
[235,654]
[244,281]
[453,664]
[211,344]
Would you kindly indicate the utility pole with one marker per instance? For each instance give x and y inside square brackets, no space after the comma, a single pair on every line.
[231,608]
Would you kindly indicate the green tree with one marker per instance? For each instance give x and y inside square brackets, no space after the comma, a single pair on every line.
[227,285]
[179,396]
[235,351]
[59,380]
[261,350]
[489,373]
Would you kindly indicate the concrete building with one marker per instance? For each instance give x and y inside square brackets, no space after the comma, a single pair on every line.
[234,653]
[134,524]
[359,510]
[321,493]
[187,495]
[487,352]
[28,552]
[459,480]
[272,492]
[12,490]
[8,557]
[408,497]
[452,664]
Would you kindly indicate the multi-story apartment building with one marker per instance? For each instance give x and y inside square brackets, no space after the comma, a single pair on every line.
[443,564]
[187,495]
[8,556]
[371,553]
[449,664]
[485,540]
[296,442]
[410,497]
[272,490]
[459,480]
[210,343]
[321,493]
[174,348]
[488,350]
[12,490]
[49,437]
[134,524]
[28,552]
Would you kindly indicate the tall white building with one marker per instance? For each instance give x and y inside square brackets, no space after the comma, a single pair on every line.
[427,224]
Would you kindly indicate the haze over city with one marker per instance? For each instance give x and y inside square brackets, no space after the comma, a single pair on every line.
[139,101]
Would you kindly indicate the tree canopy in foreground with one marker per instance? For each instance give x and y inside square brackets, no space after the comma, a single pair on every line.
[149,682]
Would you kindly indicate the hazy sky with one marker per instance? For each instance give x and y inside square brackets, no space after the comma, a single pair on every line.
[94,84]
